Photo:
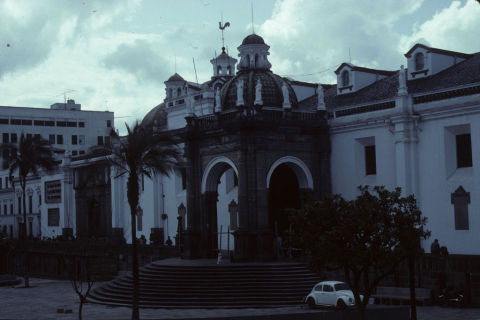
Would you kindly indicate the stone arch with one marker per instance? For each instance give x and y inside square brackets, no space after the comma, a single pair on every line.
[305,179]
[214,171]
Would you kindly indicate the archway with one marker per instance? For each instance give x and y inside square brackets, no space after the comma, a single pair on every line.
[289,182]
[93,217]
[283,193]
[220,194]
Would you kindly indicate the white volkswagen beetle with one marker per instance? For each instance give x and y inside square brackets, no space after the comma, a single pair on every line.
[331,293]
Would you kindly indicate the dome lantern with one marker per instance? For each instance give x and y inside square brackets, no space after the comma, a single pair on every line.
[253,53]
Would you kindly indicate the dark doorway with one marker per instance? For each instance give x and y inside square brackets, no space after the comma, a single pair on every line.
[283,193]
[93,218]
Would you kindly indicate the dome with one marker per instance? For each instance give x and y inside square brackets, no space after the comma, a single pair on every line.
[253,39]
[157,113]
[272,95]
[176,77]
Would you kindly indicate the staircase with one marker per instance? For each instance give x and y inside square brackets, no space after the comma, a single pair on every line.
[187,285]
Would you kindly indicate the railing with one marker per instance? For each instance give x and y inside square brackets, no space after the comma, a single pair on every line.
[303,115]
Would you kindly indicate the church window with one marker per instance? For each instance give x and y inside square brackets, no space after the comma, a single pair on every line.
[247,61]
[345,78]
[370,160]
[419,61]
[219,70]
[184,178]
[464,150]
[256,61]
[229,70]
[179,92]
[170,93]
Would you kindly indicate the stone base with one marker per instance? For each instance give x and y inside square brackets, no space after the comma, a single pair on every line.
[190,245]
[265,247]
[254,245]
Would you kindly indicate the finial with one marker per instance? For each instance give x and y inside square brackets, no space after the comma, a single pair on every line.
[253,25]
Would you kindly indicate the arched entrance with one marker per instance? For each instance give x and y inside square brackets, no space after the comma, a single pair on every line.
[93,216]
[289,183]
[283,194]
[220,194]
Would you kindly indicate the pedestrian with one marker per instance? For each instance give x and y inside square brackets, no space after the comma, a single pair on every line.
[169,241]
[435,248]
[219,260]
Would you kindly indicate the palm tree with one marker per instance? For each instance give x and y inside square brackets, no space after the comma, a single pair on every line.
[143,151]
[29,156]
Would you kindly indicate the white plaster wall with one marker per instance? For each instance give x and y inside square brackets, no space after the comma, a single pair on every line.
[441,62]
[437,184]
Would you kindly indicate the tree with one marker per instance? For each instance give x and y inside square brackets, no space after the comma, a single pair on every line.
[143,151]
[379,229]
[31,155]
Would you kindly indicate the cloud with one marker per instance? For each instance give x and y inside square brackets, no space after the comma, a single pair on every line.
[141,59]
[454,28]
[326,31]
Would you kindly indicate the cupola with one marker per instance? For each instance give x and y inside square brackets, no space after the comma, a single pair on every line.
[223,65]
[253,54]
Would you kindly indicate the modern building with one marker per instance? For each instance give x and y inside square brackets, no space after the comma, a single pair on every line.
[50,204]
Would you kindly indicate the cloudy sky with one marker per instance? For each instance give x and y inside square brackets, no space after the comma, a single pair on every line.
[123,51]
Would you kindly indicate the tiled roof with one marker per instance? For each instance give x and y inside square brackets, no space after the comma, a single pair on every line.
[464,73]
[176,77]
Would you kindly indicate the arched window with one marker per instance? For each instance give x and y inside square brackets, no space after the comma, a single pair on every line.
[229,70]
[170,93]
[257,62]
[219,70]
[179,92]
[247,61]
[345,78]
[419,61]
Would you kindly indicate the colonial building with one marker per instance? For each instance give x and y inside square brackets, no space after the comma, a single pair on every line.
[50,198]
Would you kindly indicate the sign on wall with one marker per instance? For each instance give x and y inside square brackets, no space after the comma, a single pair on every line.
[53,191]
[54,217]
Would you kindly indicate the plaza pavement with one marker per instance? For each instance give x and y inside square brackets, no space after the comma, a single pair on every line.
[45,296]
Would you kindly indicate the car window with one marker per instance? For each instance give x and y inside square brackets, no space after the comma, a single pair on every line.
[327,288]
[318,288]
[341,286]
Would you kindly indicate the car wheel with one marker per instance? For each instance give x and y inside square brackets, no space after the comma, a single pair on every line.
[460,302]
[311,303]
[341,304]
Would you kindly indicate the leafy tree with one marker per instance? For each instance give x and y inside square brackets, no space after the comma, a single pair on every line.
[143,151]
[379,229]
[30,156]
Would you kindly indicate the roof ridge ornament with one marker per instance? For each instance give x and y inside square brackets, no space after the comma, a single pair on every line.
[320,98]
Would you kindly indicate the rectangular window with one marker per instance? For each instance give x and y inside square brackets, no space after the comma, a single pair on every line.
[5,209]
[26,122]
[82,152]
[30,204]
[107,141]
[74,139]
[464,150]
[53,191]
[109,123]
[54,217]
[81,140]
[13,138]
[39,199]
[6,138]
[81,124]
[29,136]
[6,183]
[370,160]
[49,123]
[38,123]
[71,124]
[61,123]
[74,153]
[100,140]
[59,139]
[184,179]
[16,121]
[51,138]
[1,186]
[37,135]
[19,205]
[3,121]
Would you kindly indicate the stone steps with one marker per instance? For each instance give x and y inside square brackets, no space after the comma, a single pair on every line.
[226,286]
